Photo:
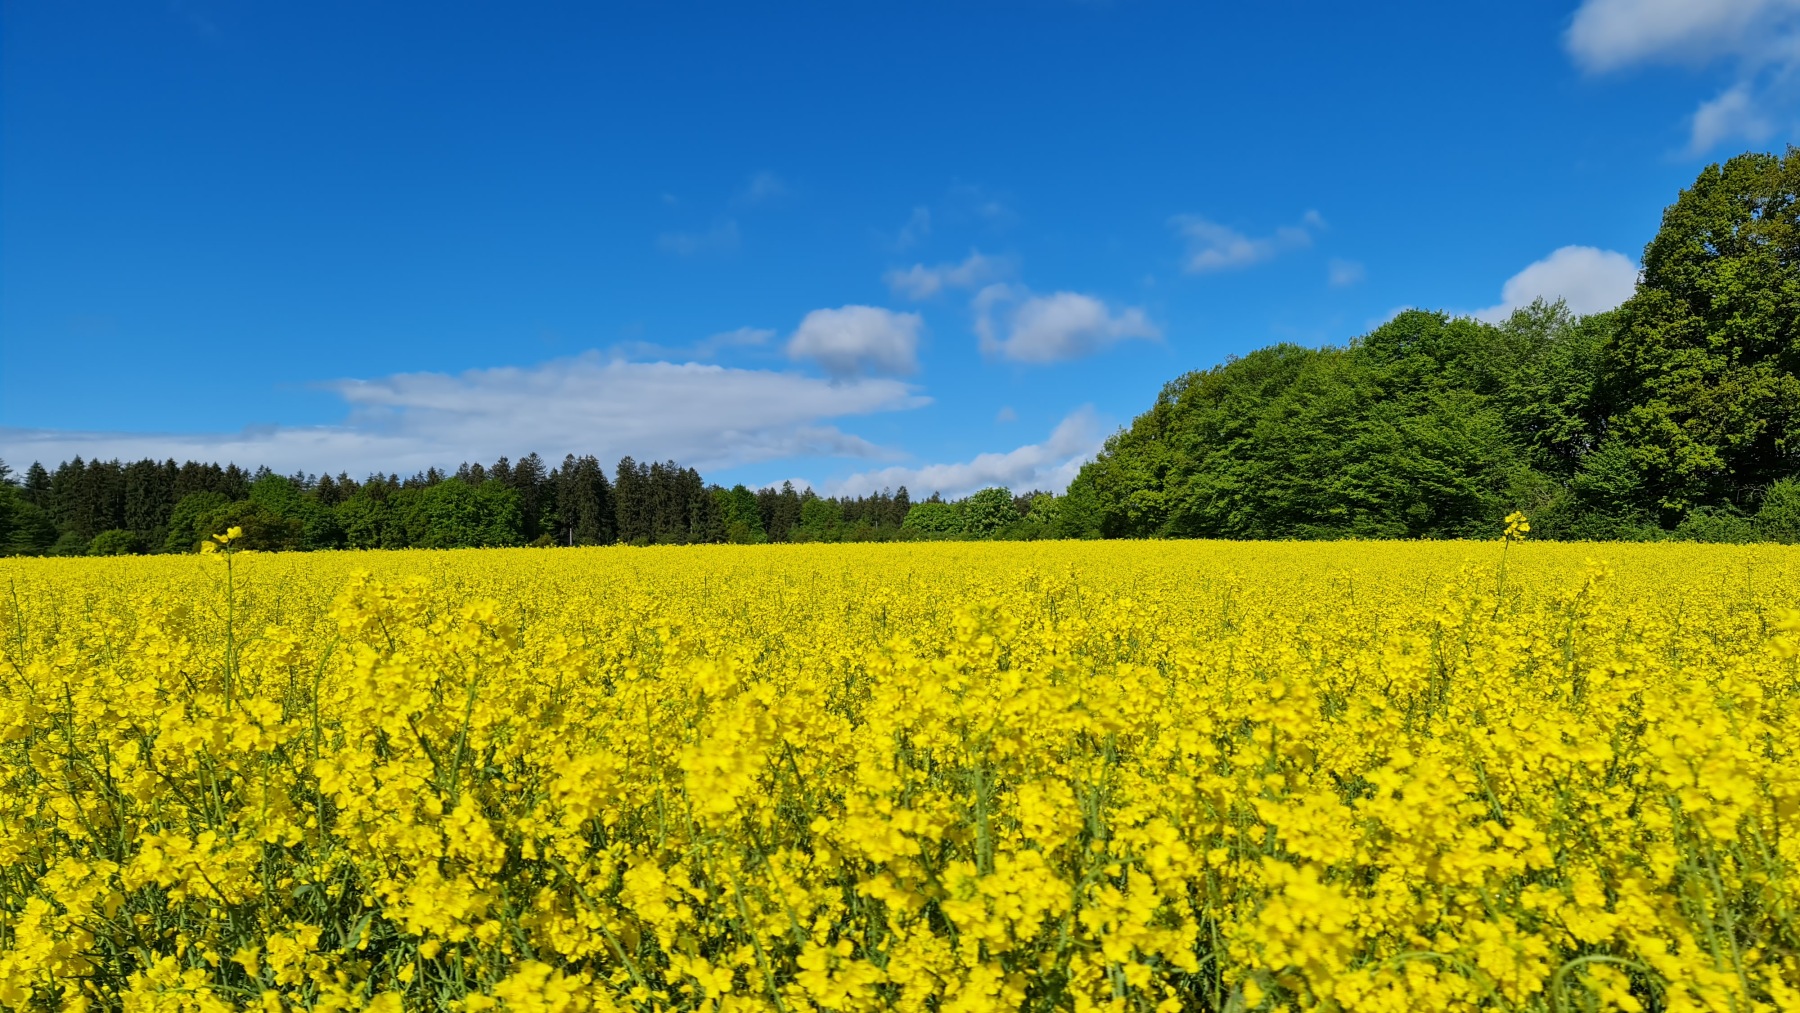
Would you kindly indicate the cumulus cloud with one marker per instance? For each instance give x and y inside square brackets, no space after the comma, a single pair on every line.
[1759,38]
[701,415]
[858,340]
[1013,323]
[1588,279]
[1215,247]
[1049,465]
[920,282]
[721,238]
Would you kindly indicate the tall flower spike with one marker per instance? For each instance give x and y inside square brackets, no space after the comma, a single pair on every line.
[1517,527]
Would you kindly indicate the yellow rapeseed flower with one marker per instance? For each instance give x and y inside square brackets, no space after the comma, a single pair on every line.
[925,777]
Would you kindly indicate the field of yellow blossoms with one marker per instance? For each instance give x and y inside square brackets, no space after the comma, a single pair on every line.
[944,776]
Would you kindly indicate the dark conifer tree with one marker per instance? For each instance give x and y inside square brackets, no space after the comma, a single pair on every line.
[586,513]
[37,486]
[633,501]
[149,498]
[529,478]
[234,483]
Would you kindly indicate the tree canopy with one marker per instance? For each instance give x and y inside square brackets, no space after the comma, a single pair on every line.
[1676,414]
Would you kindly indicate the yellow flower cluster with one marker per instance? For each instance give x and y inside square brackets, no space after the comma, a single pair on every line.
[947,777]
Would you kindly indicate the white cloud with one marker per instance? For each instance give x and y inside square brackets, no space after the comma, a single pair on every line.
[1049,465]
[1215,247]
[1005,415]
[920,282]
[1344,273]
[703,416]
[720,238]
[1735,112]
[1759,38]
[857,340]
[1610,34]
[1589,280]
[1051,328]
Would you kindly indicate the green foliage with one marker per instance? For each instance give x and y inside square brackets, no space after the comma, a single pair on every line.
[279,496]
[70,543]
[370,521]
[585,511]
[1715,524]
[25,528]
[931,518]
[988,512]
[738,511]
[1670,415]
[820,520]
[1393,436]
[1779,518]
[264,530]
[116,542]
[1700,374]
[188,522]
[1078,511]
[455,515]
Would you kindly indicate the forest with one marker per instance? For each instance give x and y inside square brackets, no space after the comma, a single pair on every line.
[110,508]
[1674,416]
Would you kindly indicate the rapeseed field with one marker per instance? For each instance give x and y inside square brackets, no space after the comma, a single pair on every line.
[947,777]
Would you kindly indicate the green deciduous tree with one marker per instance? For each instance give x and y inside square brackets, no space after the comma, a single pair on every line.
[1700,375]
[116,542]
[740,514]
[188,521]
[820,520]
[989,511]
[933,518]
[264,530]
[455,515]
[1779,517]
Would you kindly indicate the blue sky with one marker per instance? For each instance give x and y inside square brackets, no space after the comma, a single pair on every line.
[941,245]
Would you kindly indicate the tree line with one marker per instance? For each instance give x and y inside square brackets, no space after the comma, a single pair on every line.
[113,508]
[1676,415]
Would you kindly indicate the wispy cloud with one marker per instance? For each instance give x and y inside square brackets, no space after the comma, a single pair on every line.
[1049,465]
[761,188]
[1344,273]
[1013,323]
[1215,247]
[920,282]
[706,348]
[1589,280]
[721,238]
[916,229]
[984,205]
[702,415]
[1760,39]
